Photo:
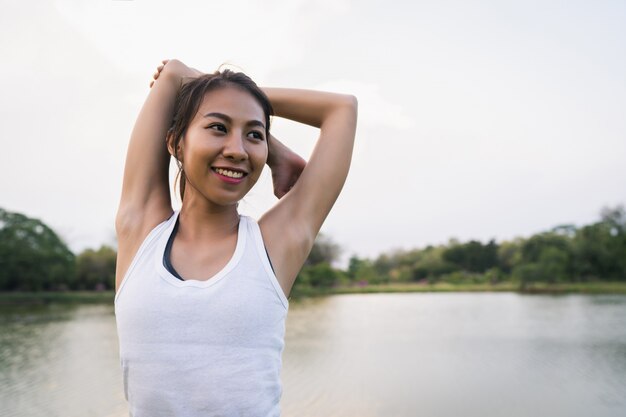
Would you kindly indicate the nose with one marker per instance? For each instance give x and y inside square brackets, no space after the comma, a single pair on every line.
[234,147]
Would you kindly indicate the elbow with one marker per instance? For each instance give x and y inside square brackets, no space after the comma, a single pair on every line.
[351,102]
[352,105]
[347,106]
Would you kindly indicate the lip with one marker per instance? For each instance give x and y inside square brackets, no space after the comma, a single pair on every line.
[229,180]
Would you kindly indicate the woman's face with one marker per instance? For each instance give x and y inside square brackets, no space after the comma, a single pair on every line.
[225,147]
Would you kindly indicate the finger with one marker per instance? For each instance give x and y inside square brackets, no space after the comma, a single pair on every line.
[165,61]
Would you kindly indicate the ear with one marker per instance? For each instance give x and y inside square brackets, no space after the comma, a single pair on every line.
[170,146]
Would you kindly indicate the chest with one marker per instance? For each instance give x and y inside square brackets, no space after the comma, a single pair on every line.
[239,311]
[201,262]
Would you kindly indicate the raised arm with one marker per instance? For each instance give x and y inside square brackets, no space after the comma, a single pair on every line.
[291,226]
[145,199]
[286,166]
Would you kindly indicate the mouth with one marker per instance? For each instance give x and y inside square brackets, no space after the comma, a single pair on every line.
[230,172]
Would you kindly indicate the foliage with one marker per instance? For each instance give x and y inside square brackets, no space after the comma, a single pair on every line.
[473,256]
[324,250]
[95,270]
[363,270]
[560,255]
[321,275]
[32,256]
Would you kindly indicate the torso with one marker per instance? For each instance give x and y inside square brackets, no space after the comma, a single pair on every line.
[230,329]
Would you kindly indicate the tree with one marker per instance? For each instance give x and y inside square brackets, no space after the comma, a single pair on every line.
[615,218]
[367,273]
[324,250]
[473,256]
[32,256]
[545,257]
[354,264]
[95,270]
[321,275]
[510,254]
[430,264]
[599,249]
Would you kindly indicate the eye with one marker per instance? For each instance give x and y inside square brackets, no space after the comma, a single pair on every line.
[217,126]
[256,135]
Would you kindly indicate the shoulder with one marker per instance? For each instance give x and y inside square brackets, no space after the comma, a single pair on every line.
[132,232]
[288,244]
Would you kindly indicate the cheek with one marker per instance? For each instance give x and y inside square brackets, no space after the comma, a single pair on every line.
[259,155]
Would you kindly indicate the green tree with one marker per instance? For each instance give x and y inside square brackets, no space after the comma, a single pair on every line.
[510,255]
[553,264]
[545,257]
[473,256]
[431,265]
[32,256]
[321,275]
[95,270]
[353,265]
[366,272]
[599,249]
[324,250]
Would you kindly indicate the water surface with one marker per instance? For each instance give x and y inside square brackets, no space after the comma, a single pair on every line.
[415,354]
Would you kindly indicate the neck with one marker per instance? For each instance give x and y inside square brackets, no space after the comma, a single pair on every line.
[200,221]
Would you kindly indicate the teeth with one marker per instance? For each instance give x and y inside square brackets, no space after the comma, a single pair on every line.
[227,173]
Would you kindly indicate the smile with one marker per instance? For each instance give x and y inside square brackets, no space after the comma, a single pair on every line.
[229,173]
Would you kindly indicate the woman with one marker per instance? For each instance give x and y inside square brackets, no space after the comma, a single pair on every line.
[202,293]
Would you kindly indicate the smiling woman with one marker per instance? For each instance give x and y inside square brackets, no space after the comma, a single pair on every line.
[202,293]
[209,103]
[225,136]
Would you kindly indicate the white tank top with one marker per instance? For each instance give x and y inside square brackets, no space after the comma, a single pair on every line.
[202,348]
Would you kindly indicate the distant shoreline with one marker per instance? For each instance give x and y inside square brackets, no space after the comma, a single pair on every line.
[20,298]
[537,288]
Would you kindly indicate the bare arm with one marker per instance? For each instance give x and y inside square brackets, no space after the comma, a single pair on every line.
[286,166]
[145,199]
[145,187]
[291,226]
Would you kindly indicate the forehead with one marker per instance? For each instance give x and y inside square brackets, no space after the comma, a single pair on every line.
[233,101]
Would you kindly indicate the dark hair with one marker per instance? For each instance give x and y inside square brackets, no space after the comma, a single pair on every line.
[190,97]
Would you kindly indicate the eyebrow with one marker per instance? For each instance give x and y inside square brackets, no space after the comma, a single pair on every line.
[229,119]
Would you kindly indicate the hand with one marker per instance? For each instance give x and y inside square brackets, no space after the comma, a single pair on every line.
[182,73]
[155,76]
[286,167]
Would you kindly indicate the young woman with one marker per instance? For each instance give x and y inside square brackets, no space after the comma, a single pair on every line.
[202,292]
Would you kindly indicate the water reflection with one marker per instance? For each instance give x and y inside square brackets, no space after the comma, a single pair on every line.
[58,360]
[470,354]
[360,355]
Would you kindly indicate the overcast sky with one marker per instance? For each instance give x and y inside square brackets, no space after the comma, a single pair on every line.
[477,119]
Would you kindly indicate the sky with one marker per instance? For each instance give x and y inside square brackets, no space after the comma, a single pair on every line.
[477,119]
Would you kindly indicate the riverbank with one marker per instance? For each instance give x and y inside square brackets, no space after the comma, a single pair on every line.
[18,298]
[536,288]
[47,297]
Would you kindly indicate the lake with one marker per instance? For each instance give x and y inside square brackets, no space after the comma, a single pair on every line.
[392,355]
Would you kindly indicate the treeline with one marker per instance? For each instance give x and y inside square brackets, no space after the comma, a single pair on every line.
[34,258]
[564,254]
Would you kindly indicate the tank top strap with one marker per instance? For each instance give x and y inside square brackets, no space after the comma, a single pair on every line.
[255,232]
